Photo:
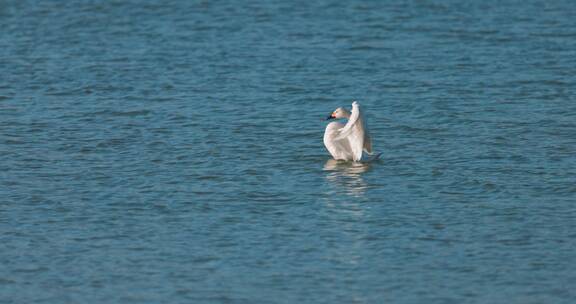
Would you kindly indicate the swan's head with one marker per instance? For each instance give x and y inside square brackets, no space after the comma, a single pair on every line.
[338,114]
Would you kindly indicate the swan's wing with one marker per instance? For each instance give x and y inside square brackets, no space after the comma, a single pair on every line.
[356,141]
[367,140]
[354,116]
[355,133]
[338,148]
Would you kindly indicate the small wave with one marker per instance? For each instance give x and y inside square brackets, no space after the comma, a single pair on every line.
[121,113]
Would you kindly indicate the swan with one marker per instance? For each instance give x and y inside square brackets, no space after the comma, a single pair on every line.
[350,141]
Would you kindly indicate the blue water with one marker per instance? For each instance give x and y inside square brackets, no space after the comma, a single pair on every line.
[171,152]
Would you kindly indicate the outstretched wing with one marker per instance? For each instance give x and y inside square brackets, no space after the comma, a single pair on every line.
[367,140]
[356,134]
[352,121]
[338,148]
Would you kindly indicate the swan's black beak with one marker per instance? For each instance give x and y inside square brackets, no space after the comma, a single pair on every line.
[330,117]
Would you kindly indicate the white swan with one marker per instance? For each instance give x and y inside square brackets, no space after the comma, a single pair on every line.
[350,141]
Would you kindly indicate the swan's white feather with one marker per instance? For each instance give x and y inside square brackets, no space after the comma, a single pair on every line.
[351,141]
[338,148]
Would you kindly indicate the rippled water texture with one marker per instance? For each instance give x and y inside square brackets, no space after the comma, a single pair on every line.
[171,152]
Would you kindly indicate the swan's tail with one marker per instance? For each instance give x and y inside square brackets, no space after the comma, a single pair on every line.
[368,157]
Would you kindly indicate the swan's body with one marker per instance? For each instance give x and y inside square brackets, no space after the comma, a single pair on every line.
[350,141]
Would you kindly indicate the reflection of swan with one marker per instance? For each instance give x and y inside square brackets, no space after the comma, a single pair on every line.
[347,176]
[346,168]
[350,141]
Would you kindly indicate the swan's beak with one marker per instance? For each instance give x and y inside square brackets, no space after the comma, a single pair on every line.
[330,117]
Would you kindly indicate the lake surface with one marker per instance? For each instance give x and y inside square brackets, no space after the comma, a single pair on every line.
[171,152]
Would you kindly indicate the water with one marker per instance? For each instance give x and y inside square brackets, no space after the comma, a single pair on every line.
[171,152]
